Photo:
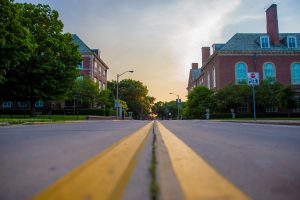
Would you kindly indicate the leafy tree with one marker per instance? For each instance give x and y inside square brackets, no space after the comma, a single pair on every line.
[287,98]
[268,94]
[15,40]
[199,99]
[86,92]
[106,99]
[232,96]
[51,69]
[134,93]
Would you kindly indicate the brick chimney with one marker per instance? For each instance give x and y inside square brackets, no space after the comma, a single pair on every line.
[194,65]
[272,24]
[205,54]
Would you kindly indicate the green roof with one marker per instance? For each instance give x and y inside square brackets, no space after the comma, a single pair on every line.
[83,48]
[251,42]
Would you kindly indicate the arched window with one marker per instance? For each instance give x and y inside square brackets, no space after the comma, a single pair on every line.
[240,73]
[269,71]
[295,71]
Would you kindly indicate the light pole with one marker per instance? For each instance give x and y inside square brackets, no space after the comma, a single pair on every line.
[118,102]
[177,104]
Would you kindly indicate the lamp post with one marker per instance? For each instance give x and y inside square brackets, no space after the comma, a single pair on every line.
[118,102]
[177,104]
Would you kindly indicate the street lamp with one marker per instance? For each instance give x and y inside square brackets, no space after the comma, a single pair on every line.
[177,104]
[118,103]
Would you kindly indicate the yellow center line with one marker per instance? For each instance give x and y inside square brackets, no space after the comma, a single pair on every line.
[198,180]
[102,177]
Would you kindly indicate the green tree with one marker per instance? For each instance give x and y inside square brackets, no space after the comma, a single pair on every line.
[50,72]
[268,94]
[86,92]
[199,99]
[232,96]
[287,98]
[135,94]
[15,40]
[106,98]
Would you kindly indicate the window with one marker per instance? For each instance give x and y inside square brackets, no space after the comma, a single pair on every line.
[214,78]
[6,104]
[272,109]
[80,65]
[264,42]
[269,71]
[291,42]
[208,81]
[243,107]
[240,73]
[79,78]
[297,106]
[295,72]
[22,104]
[39,104]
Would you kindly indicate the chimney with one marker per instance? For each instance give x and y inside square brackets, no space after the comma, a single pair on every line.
[205,54]
[194,65]
[272,24]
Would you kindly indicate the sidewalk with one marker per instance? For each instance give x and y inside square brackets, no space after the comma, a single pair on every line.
[260,121]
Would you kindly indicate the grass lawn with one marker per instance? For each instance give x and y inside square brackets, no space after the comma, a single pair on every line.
[21,119]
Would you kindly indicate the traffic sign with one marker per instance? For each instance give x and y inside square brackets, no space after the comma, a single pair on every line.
[253,78]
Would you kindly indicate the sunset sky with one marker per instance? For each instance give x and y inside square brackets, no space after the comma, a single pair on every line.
[159,39]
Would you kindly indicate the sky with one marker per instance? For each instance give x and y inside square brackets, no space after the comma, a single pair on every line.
[159,39]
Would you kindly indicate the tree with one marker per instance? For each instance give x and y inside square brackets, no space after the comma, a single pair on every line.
[86,92]
[199,99]
[50,72]
[232,96]
[268,94]
[134,93]
[16,43]
[106,99]
[287,98]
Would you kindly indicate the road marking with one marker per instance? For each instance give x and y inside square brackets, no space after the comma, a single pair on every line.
[102,177]
[198,180]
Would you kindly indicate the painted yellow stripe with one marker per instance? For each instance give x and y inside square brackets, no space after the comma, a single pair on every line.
[197,179]
[104,176]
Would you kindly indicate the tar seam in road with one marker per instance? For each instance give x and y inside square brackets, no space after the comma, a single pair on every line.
[152,169]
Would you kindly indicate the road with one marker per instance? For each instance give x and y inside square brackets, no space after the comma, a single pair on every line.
[263,161]
[33,156]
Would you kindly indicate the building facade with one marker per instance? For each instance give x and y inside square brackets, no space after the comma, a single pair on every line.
[271,54]
[92,65]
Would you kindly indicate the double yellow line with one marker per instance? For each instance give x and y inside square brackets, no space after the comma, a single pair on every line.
[106,175]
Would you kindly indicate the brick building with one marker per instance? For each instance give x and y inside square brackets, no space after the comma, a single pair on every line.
[92,65]
[272,54]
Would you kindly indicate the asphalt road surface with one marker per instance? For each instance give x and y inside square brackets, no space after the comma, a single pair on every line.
[34,156]
[261,160]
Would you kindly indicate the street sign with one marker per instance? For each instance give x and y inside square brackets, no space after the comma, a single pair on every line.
[253,78]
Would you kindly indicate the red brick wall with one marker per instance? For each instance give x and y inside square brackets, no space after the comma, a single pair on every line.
[226,67]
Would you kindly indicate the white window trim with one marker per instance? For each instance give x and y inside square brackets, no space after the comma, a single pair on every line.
[261,38]
[208,81]
[295,39]
[214,78]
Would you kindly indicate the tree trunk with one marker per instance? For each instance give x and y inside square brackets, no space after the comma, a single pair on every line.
[32,108]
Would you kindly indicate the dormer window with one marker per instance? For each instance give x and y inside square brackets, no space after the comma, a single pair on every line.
[291,42]
[264,41]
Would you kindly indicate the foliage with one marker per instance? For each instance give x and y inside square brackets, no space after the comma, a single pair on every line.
[50,70]
[135,94]
[106,99]
[162,109]
[85,92]
[268,94]
[199,99]
[16,43]
[231,96]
